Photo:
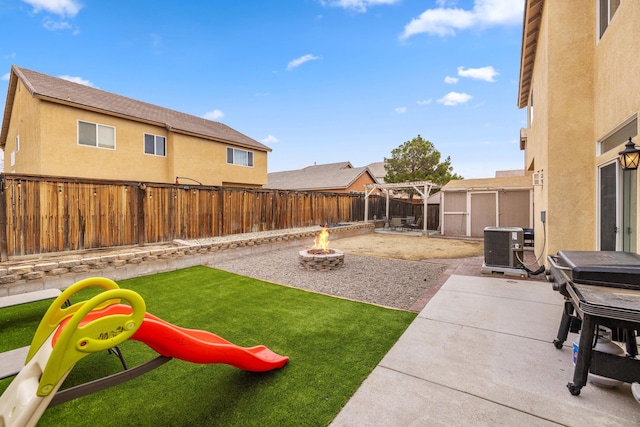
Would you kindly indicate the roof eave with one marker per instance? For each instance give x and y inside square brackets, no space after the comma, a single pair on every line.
[530,31]
[8,107]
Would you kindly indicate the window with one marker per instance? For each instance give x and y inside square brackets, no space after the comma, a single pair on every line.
[17,143]
[95,135]
[155,145]
[606,10]
[619,135]
[239,157]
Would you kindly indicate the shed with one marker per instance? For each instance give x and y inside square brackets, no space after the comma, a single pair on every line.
[469,205]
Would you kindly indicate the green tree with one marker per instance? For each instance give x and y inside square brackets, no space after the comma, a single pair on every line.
[418,160]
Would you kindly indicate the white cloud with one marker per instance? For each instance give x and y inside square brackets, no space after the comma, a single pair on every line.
[454,98]
[53,25]
[213,115]
[356,5]
[78,80]
[6,76]
[298,62]
[485,73]
[270,140]
[443,21]
[451,80]
[400,110]
[424,102]
[64,8]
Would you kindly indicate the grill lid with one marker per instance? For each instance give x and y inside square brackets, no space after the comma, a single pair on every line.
[605,268]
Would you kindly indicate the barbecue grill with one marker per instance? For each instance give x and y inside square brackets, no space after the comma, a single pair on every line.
[600,288]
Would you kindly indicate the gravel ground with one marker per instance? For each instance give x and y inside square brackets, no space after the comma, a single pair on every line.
[383,281]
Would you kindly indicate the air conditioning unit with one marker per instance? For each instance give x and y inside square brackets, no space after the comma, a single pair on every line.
[503,247]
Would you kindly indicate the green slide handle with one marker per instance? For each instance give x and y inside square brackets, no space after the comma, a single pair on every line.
[100,334]
[57,311]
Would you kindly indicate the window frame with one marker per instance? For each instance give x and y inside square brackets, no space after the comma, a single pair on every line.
[155,144]
[97,135]
[618,135]
[231,160]
[604,17]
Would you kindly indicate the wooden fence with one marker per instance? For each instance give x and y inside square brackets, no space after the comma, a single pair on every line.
[42,214]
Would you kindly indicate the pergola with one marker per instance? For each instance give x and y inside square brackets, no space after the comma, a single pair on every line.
[422,187]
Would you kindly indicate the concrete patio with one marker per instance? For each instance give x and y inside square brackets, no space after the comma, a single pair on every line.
[481,353]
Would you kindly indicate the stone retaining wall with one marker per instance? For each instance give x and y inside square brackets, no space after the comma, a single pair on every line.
[60,272]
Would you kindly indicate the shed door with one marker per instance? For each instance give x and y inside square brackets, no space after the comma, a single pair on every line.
[483,212]
[515,207]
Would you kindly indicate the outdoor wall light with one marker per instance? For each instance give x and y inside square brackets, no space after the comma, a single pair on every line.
[630,156]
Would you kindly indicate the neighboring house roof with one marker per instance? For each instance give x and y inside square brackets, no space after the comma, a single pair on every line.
[61,91]
[317,177]
[378,171]
[513,172]
[509,182]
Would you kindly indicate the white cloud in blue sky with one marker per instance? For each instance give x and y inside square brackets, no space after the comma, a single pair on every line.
[451,80]
[270,139]
[357,5]
[299,61]
[213,115]
[63,8]
[454,98]
[78,80]
[445,21]
[487,74]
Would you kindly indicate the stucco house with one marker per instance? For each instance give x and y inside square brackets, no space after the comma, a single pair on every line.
[54,127]
[579,69]
[339,177]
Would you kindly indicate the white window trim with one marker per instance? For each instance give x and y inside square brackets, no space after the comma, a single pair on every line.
[97,135]
[144,147]
[599,31]
[238,164]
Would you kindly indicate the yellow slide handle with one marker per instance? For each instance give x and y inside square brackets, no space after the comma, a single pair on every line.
[57,312]
[101,334]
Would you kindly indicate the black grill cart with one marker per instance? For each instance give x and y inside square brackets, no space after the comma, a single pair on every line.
[600,288]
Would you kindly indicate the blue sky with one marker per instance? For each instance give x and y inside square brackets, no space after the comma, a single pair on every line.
[316,80]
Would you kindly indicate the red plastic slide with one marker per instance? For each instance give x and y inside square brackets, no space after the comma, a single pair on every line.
[192,345]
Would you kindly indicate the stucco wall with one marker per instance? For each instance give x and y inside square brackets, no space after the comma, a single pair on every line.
[27,128]
[49,146]
[616,83]
[561,140]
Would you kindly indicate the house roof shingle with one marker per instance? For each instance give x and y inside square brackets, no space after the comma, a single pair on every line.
[317,177]
[378,170]
[65,92]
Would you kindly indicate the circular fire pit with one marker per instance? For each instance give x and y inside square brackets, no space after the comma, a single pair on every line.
[320,259]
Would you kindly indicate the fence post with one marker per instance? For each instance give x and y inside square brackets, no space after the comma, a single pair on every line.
[3,220]
[141,213]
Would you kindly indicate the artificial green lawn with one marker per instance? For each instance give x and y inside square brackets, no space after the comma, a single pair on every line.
[333,344]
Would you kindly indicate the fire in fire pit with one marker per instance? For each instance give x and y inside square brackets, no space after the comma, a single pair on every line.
[320,257]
